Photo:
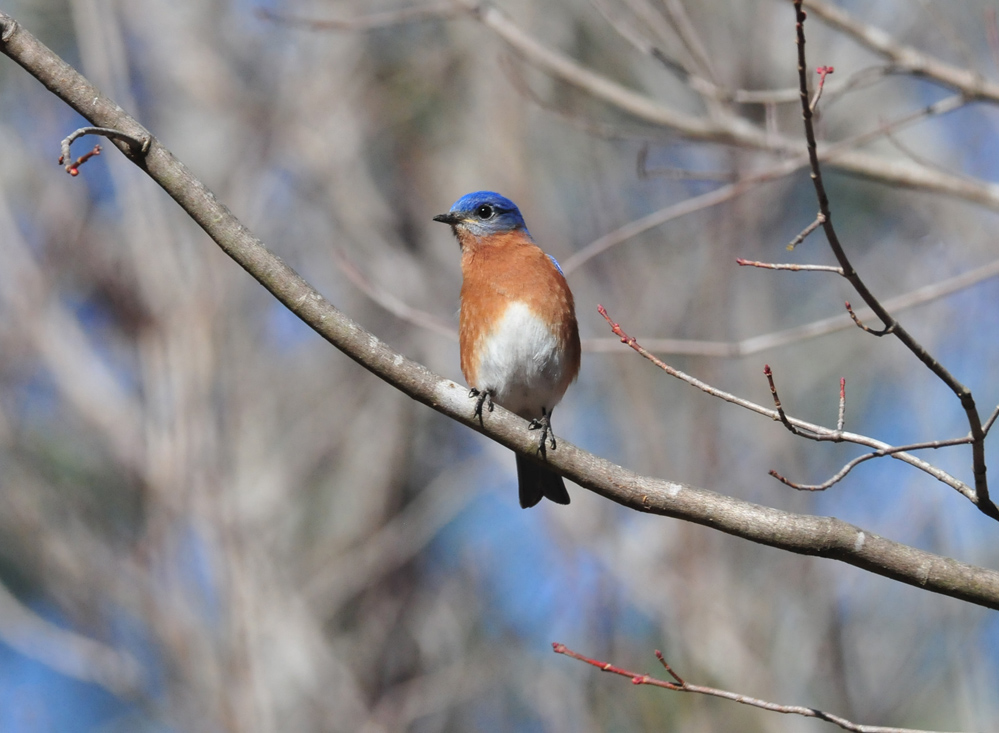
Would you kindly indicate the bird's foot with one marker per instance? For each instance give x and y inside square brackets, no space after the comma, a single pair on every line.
[544,424]
[484,397]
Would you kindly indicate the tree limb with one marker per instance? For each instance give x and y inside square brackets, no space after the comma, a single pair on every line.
[803,534]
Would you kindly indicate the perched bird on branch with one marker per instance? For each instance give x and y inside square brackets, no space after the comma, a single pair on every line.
[518,334]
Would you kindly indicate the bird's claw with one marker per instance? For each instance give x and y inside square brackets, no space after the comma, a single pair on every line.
[485,397]
[544,424]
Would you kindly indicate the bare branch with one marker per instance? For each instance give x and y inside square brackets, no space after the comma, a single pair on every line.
[858,80]
[680,685]
[988,423]
[874,332]
[892,326]
[805,429]
[689,36]
[823,72]
[819,536]
[970,84]
[841,474]
[137,145]
[608,131]
[804,233]
[780,410]
[922,160]
[793,267]
[841,417]
[724,130]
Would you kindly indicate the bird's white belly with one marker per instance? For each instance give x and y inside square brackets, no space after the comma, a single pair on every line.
[522,364]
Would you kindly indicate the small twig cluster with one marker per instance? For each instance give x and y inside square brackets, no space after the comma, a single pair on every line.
[809,430]
[678,684]
[73,166]
[979,493]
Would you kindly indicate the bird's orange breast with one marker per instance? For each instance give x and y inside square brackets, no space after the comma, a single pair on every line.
[508,268]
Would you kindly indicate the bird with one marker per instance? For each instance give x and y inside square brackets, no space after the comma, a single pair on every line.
[518,336]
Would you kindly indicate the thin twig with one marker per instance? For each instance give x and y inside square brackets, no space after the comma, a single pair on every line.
[675,211]
[922,159]
[73,166]
[841,417]
[137,145]
[65,651]
[823,72]
[988,423]
[780,409]
[874,332]
[804,233]
[680,685]
[605,130]
[841,474]
[793,267]
[689,36]
[806,429]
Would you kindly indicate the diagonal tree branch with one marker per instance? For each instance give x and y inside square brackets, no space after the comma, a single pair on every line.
[803,534]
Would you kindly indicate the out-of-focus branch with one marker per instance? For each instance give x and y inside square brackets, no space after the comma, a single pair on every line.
[892,326]
[804,534]
[905,58]
[334,577]
[678,684]
[392,304]
[723,129]
[728,130]
[370,22]
[65,651]
[724,193]
[64,347]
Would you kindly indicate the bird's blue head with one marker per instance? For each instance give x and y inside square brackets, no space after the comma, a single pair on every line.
[483,213]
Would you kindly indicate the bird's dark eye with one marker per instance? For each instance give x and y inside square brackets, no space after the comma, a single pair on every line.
[485,211]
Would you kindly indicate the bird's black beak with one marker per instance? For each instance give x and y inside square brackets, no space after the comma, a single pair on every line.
[448,218]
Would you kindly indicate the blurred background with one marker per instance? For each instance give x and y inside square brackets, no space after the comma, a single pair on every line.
[211,520]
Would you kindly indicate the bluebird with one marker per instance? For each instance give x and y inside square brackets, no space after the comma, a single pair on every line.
[518,334]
